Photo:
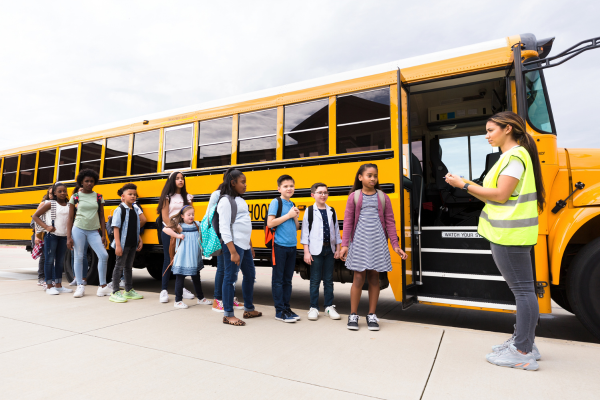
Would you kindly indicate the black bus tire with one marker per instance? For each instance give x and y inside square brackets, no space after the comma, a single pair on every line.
[583,281]
[559,295]
[92,275]
[154,265]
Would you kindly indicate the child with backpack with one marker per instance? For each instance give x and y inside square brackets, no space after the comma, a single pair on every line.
[368,224]
[232,222]
[186,258]
[56,214]
[282,224]
[125,224]
[321,240]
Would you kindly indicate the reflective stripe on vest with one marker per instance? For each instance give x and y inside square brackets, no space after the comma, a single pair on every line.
[515,222]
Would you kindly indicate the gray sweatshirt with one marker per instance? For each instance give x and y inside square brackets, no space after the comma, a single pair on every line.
[242,226]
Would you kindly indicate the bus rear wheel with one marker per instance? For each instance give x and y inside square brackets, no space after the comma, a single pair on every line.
[583,281]
[154,263]
[92,274]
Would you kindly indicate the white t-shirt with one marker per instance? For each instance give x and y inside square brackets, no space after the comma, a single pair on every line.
[516,169]
[60,223]
[176,204]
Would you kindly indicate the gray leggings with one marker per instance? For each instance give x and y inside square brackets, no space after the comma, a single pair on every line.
[514,263]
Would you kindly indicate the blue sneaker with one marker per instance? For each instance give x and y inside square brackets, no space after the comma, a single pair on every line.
[284,317]
[293,314]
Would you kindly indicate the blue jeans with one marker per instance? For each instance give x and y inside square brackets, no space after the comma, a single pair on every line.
[322,269]
[95,241]
[283,272]
[55,248]
[166,240]
[84,271]
[230,277]
[219,278]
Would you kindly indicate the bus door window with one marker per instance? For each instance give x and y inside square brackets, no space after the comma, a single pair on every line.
[27,169]
[9,174]
[257,136]
[115,156]
[67,163]
[455,155]
[480,148]
[214,145]
[45,172]
[145,152]
[306,129]
[363,121]
[538,112]
[91,154]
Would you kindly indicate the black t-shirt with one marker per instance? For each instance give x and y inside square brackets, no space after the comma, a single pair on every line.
[326,235]
[131,239]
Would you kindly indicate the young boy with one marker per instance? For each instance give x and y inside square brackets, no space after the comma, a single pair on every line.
[127,241]
[285,248]
[143,221]
[322,243]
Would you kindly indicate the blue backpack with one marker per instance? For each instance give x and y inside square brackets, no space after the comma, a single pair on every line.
[209,229]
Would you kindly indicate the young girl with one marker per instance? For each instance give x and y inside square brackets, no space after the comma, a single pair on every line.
[172,199]
[36,240]
[55,243]
[84,271]
[86,222]
[188,258]
[367,228]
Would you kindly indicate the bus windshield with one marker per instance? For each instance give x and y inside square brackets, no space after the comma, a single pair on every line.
[537,105]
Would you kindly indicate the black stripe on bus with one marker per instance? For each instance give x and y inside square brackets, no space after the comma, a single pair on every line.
[16,226]
[380,155]
[15,242]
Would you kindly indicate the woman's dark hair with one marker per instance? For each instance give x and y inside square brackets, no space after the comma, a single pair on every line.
[357,183]
[56,186]
[84,173]
[231,175]
[520,135]
[224,175]
[170,189]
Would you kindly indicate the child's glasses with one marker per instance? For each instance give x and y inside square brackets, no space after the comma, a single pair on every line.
[321,193]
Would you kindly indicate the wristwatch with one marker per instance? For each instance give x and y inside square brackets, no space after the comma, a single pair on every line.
[466,186]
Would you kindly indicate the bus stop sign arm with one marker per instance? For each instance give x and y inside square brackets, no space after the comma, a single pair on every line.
[561,58]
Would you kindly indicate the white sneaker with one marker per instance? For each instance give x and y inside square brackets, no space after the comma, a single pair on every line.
[164,296]
[84,282]
[122,284]
[52,290]
[204,302]
[187,294]
[180,304]
[64,290]
[73,282]
[105,291]
[80,291]
[313,314]
[512,358]
[333,314]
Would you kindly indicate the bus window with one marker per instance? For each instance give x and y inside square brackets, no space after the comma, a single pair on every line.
[9,174]
[145,152]
[480,148]
[45,174]
[214,145]
[257,136]
[67,160]
[537,105]
[91,153]
[306,129]
[27,169]
[363,121]
[455,155]
[115,156]
[178,147]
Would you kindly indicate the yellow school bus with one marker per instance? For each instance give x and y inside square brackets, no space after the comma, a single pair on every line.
[416,118]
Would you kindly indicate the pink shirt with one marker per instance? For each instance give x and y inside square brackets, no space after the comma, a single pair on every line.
[352,213]
[176,203]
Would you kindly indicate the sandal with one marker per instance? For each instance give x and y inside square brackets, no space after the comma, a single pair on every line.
[252,314]
[239,322]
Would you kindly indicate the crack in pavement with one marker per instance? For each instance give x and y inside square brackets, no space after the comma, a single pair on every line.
[433,364]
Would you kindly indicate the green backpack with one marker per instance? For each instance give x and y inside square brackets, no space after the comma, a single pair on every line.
[211,244]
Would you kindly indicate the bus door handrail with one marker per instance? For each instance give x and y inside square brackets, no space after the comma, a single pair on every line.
[418,232]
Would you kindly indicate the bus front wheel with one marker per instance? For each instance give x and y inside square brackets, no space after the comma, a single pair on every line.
[583,281]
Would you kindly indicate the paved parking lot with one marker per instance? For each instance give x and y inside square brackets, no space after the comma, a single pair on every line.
[92,348]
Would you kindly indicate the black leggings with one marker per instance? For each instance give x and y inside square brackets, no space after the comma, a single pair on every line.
[179,279]
[166,240]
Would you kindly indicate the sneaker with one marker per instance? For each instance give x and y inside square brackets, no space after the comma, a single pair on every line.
[117,297]
[353,322]
[73,282]
[237,305]
[122,284]
[105,291]
[204,302]
[164,296]
[64,290]
[217,306]
[501,347]
[293,314]
[512,358]
[187,294]
[372,322]
[332,312]
[44,286]
[84,282]
[180,304]
[313,314]
[284,317]
[41,282]
[52,290]
[80,291]
[132,295]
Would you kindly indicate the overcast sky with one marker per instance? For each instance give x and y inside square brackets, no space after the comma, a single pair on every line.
[68,65]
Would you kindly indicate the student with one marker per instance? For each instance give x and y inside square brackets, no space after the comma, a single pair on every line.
[84,271]
[218,292]
[86,223]
[188,258]
[321,242]
[35,240]
[368,224]
[238,254]
[126,242]
[172,199]
[513,193]
[285,248]
[55,243]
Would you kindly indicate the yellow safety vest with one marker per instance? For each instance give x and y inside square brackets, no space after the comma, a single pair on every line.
[515,222]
